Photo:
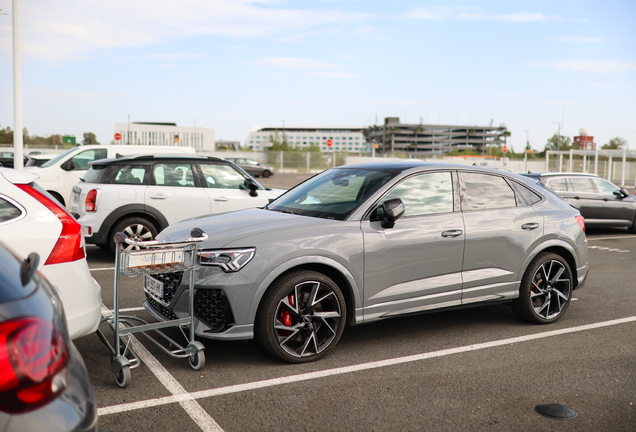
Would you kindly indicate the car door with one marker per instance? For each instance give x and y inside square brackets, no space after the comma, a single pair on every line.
[617,209]
[415,265]
[225,187]
[582,196]
[500,230]
[173,191]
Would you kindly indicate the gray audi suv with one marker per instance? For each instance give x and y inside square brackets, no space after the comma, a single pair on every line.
[367,242]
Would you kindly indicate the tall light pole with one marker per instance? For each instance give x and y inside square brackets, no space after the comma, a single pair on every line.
[559,158]
[18,161]
[525,157]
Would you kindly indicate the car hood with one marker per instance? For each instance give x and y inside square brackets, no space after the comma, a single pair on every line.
[227,228]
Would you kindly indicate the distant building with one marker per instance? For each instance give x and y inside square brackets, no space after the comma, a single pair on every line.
[433,139]
[165,134]
[343,138]
[584,140]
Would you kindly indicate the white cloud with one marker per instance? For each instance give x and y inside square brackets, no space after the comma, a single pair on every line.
[603,66]
[169,56]
[74,28]
[519,17]
[334,75]
[293,63]
[603,85]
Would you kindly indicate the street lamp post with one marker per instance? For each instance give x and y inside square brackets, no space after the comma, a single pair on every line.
[525,157]
[559,159]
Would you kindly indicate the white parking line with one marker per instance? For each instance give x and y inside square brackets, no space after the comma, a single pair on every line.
[114,409]
[612,238]
[186,400]
[102,268]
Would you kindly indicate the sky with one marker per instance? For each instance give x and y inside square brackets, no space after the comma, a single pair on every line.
[234,64]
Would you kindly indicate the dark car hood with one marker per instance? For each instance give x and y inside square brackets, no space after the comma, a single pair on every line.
[226,228]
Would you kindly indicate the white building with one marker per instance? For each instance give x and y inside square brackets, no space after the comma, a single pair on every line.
[343,138]
[151,133]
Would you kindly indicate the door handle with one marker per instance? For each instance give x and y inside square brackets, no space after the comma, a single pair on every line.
[159,197]
[221,199]
[530,226]
[452,233]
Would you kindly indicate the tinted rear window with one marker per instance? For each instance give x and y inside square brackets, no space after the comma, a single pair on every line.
[484,191]
[8,210]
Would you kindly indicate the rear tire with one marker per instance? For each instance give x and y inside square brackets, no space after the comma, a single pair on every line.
[136,228]
[545,291]
[301,317]
[266,174]
[58,197]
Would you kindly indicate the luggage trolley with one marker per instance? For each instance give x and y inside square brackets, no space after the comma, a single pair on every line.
[152,257]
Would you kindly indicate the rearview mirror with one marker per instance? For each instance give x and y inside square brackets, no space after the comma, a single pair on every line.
[69,165]
[252,186]
[391,210]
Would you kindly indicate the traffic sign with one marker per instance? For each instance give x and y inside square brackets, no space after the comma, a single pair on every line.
[117,136]
[504,149]
[329,142]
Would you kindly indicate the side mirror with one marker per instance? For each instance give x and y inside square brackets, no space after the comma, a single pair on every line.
[69,165]
[252,186]
[621,193]
[391,211]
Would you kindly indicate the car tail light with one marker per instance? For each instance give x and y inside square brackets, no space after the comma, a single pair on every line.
[91,200]
[33,364]
[581,222]
[69,246]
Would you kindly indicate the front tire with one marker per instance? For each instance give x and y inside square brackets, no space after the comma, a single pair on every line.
[302,317]
[266,174]
[546,290]
[136,228]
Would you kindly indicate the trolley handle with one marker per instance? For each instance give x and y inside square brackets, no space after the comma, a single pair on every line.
[198,235]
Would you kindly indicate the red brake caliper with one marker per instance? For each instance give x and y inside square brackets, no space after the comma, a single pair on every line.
[285,316]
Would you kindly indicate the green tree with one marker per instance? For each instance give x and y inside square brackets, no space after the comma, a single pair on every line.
[560,142]
[277,143]
[615,144]
[89,138]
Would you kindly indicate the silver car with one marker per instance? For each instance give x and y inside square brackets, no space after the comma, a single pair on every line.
[367,242]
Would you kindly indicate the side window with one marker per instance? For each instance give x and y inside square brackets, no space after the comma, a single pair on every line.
[483,191]
[580,184]
[557,184]
[222,177]
[81,160]
[8,211]
[176,175]
[425,194]
[130,174]
[524,195]
[604,187]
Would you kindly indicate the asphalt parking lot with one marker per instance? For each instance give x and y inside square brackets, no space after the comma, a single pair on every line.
[471,369]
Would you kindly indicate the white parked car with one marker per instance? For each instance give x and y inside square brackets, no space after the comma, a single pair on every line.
[60,174]
[142,195]
[32,221]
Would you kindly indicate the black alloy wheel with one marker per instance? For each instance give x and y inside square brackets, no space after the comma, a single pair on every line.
[546,290]
[302,317]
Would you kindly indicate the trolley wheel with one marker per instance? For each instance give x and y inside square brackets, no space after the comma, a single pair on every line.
[123,377]
[197,361]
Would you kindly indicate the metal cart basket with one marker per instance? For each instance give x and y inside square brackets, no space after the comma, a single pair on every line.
[145,258]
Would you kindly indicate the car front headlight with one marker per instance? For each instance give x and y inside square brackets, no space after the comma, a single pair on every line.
[230,260]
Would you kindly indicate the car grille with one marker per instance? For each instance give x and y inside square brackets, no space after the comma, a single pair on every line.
[212,308]
[159,308]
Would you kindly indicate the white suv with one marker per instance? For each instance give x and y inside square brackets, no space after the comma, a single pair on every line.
[31,220]
[142,195]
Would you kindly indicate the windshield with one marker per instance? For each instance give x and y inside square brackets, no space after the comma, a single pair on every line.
[57,158]
[334,194]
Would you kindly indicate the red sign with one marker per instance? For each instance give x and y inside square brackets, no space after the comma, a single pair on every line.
[329,142]
[504,149]
[117,136]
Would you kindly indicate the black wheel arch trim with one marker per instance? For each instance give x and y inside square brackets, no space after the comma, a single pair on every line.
[129,210]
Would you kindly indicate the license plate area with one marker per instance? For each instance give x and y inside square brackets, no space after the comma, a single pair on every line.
[154,287]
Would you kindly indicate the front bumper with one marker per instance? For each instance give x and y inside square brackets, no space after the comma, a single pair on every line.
[221,302]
